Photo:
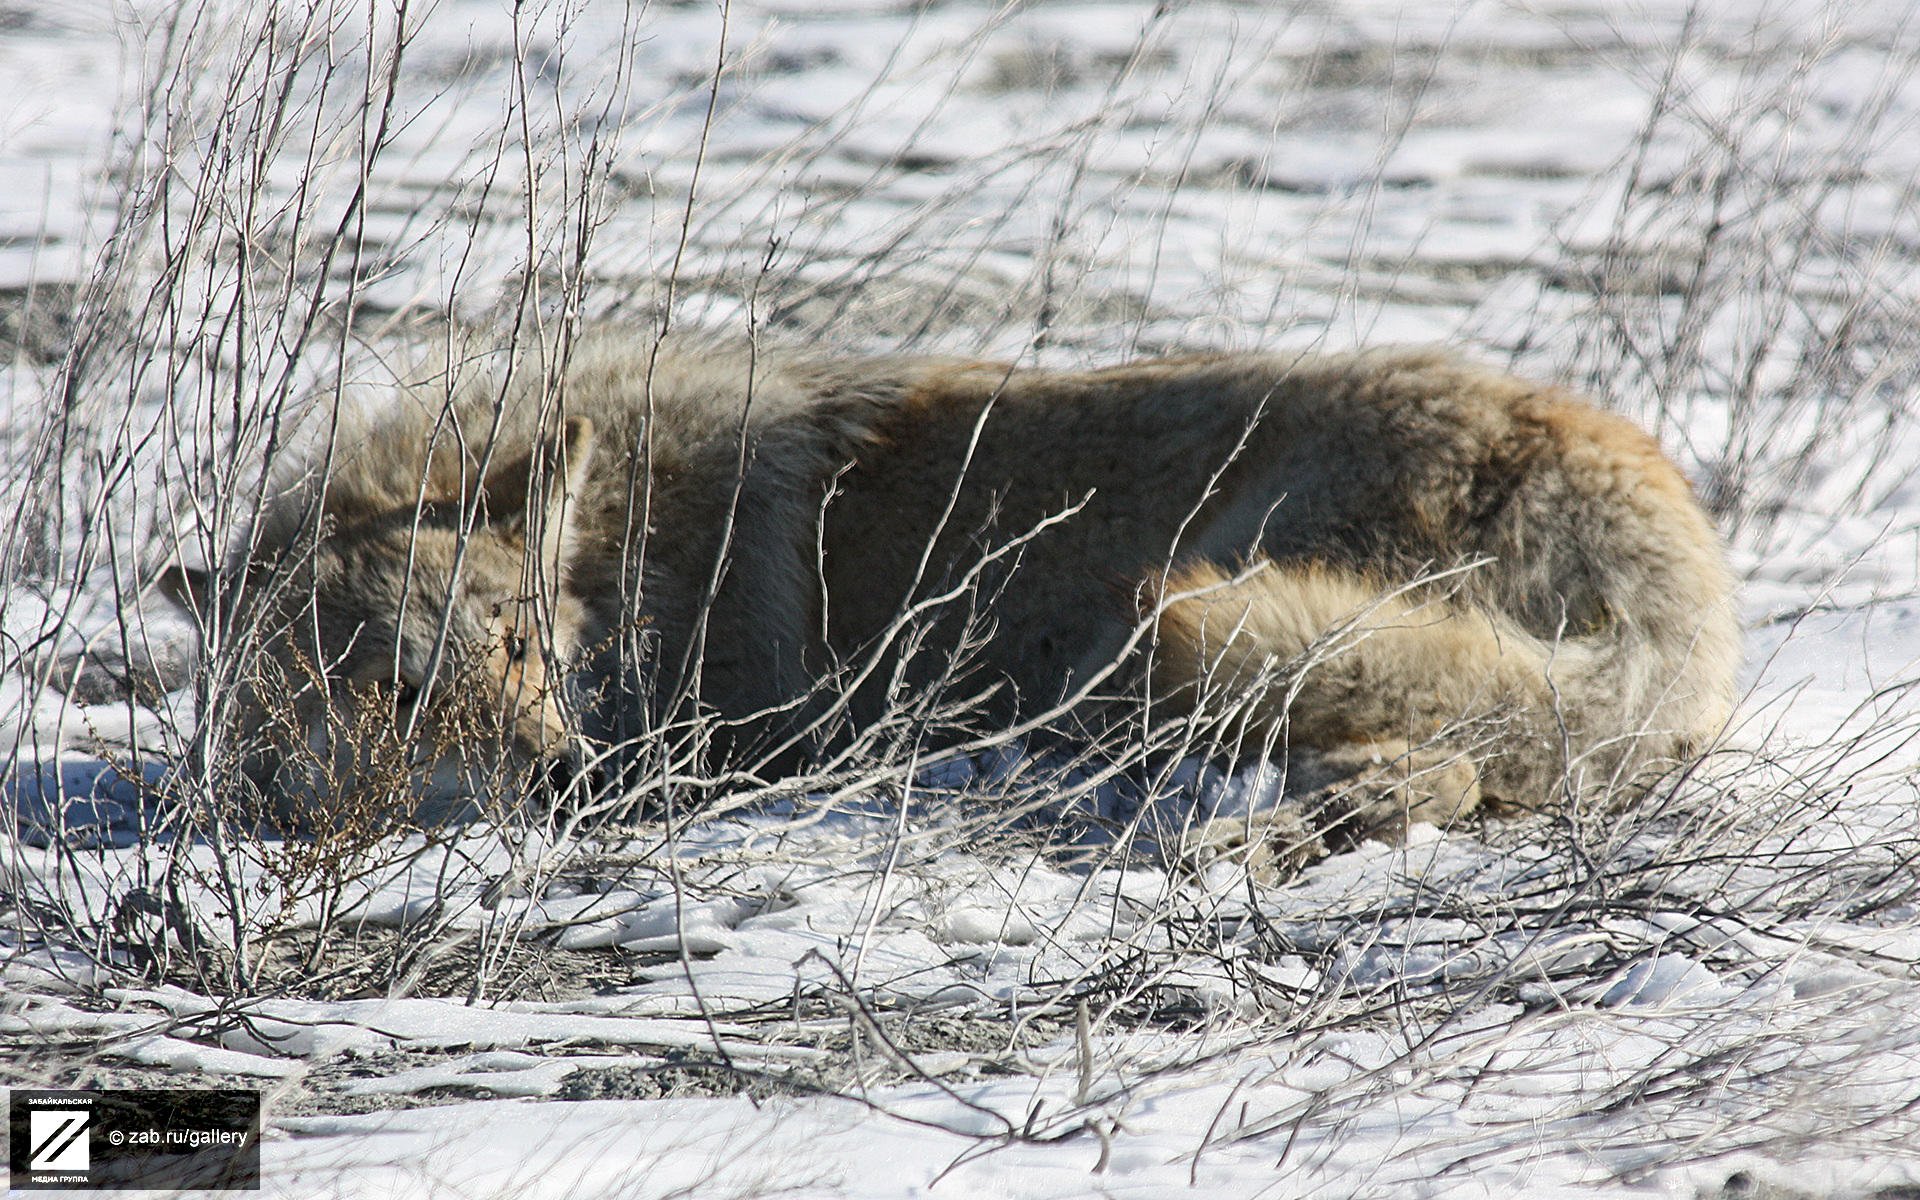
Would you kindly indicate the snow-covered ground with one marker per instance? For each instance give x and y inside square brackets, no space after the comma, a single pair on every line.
[1704,213]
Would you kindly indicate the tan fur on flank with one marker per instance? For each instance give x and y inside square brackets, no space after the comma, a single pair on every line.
[1394,562]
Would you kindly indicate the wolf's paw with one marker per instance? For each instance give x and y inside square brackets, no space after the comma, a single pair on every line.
[1272,846]
[1386,786]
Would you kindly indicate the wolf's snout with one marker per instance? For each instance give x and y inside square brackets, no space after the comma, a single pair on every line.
[541,731]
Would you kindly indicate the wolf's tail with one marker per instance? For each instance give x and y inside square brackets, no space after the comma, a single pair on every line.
[1319,657]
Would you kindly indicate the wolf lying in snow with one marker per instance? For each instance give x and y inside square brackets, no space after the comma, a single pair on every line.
[1434,585]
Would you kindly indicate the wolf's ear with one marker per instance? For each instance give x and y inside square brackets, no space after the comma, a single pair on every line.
[539,498]
[188,588]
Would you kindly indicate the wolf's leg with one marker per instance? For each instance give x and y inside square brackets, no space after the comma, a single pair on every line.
[1345,795]
[1272,845]
[1386,703]
[1381,788]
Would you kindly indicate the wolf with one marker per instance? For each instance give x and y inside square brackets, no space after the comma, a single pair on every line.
[1431,586]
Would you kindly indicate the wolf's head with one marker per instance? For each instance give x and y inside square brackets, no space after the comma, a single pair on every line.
[419,644]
